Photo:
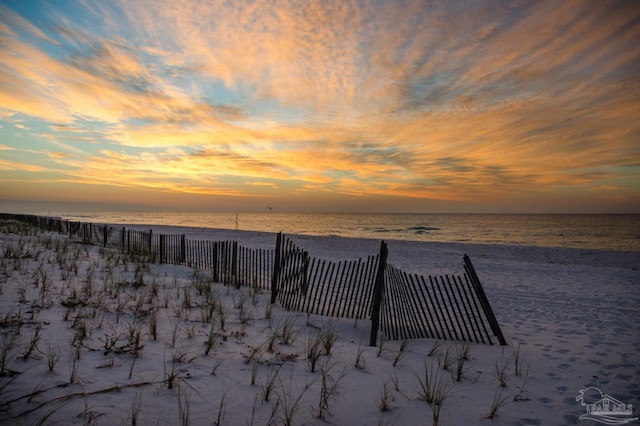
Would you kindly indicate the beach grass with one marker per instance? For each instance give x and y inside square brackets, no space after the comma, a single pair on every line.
[163,343]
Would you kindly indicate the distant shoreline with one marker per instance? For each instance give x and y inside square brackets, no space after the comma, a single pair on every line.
[344,246]
[619,232]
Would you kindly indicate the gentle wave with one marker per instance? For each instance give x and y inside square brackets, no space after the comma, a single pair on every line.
[422,229]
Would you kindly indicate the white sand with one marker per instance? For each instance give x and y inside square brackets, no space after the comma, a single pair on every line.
[573,314]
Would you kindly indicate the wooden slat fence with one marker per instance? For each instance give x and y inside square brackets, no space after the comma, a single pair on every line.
[321,287]
[400,305]
[445,307]
[448,307]
[229,262]
[140,243]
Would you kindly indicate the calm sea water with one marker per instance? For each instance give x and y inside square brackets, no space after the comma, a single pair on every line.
[609,232]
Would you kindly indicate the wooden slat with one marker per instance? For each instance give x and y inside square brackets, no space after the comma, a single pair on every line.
[479,311]
[425,309]
[475,327]
[452,303]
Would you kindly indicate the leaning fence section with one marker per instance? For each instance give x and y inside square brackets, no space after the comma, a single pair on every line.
[441,307]
[336,289]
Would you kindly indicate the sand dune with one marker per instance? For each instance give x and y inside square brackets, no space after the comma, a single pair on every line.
[129,342]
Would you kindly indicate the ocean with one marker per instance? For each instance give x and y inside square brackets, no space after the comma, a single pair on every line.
[586,231]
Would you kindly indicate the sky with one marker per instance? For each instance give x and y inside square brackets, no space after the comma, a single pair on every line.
[336,106]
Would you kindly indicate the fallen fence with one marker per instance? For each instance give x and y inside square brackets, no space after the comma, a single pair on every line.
[400,305]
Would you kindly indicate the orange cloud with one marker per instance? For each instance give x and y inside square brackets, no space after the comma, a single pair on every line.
[444,100]
[7,165]
[59,154]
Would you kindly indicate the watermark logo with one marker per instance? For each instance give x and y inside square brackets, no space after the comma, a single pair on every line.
[604,408]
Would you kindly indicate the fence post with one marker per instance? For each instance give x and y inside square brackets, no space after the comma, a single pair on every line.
[150,239]
[183,250]
[378,293]
[161,249]
[276,269]
[215,262]
[305,282]
[486,307]
[234,264]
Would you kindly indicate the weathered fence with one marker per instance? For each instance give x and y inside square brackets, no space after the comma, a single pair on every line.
[400,305]
[229,262]
[336,289]
[445,307]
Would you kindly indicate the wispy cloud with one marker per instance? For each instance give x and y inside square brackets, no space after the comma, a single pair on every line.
[7,165]
[432,100]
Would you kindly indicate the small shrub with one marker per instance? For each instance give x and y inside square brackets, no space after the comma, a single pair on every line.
[289,332]
[381,347]
[403,347]
[497,403]
[433,390]
[386,399]
[33,343]
[329,389]
[52,357]
[501,369]
[221,405]
[329,336]
[520,368]
[153,324]
[461,357]
[448,358]
[435,349]
[360,362]
[270,382]
[289,401]
[314,350]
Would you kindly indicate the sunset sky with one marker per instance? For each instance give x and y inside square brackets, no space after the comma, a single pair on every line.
[380,106]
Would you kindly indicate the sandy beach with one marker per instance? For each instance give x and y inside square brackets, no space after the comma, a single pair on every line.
[90,336]
[325,212]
